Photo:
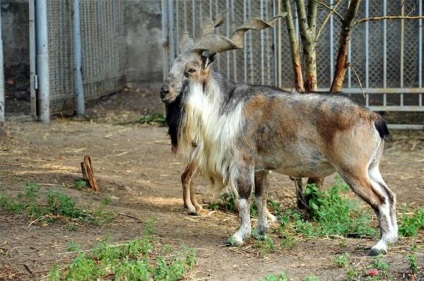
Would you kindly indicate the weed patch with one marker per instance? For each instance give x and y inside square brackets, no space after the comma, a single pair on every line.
[140,259]
[52,206]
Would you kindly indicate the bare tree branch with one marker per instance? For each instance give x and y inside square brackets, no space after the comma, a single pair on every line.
[294,47]
[312,15]
[341,65]
[332,12]
[388,18]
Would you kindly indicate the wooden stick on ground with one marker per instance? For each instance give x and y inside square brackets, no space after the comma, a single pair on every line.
[88,173]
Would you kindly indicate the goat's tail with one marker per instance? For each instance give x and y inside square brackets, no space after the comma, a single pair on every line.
[382,129]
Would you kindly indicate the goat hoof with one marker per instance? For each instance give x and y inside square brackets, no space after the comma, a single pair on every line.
[373,252]
[233,242]
[259,235]
[192,213]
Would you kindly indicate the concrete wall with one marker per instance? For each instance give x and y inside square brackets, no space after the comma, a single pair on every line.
[143,38]
[14,19]
[144,41]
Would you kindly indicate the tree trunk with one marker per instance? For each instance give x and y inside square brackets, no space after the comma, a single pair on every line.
[341,64]
[294,47]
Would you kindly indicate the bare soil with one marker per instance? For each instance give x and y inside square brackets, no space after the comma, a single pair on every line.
[134,166]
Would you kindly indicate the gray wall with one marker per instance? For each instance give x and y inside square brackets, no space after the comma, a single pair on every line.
[143,40]
[14,17]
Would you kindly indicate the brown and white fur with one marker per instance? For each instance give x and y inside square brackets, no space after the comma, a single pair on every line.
[236,133]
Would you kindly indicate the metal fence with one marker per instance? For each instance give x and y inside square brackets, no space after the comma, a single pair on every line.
[102,33]
[386,56]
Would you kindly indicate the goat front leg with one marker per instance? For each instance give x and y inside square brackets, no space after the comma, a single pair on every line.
[243,187]
[261,194]
[189,196]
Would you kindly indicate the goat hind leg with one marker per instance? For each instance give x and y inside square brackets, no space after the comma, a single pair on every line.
[379,200]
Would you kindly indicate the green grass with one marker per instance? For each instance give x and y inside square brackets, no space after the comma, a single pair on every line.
[53,206]
[342,260]
[141,259]
[279,277]
[411,224]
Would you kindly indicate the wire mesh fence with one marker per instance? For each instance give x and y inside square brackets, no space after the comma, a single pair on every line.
[102,33]
[385,56]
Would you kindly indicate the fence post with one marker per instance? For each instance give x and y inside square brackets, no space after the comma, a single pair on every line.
[43,61]
[77,60]
[2,95]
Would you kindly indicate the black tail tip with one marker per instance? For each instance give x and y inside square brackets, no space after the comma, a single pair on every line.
[383,130]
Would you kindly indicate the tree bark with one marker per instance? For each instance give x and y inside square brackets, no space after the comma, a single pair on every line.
[307,24]
[341,64]
[294,47]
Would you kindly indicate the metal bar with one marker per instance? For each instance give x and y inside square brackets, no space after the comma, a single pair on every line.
[420,51]
[349,70]
[79,89]
[405,127]
[384,51]
[171,35]
[2,91]
[367,51]
[279,56]
[32,58]
[165,38]
[250,39]
[177,27]
[244,43]
[43,61]
[402,49]
[233,16]
[193,17]
[388,91]
[227,19]
[331,48]
[261,7]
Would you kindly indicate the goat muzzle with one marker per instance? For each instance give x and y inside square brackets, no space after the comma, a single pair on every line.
[164,93]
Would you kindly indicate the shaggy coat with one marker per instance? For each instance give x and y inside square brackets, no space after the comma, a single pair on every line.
[236,133]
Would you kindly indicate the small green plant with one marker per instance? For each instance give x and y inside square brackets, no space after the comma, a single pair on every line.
[51,207]
[412,260]
[353,274]
[288,241]
[266,245]
[378,263]
[80,184]
[379,269]
[279,277]
[409,225]
[342,260]
[310,278]
[139,259]
[335,214]
[153,118]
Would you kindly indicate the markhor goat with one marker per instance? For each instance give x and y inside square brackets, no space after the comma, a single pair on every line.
[236,133]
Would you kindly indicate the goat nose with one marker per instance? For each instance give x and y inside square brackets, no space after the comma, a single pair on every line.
[164,91]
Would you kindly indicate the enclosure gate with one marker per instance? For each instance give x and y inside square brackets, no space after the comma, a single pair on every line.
[386,57]
[102,44]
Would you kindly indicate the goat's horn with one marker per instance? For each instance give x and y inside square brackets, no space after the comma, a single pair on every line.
[186,43]
[218,43]
[209,25]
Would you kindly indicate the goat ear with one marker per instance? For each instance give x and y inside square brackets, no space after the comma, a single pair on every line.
[208,57]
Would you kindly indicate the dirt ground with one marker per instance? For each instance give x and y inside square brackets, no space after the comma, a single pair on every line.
[135,167]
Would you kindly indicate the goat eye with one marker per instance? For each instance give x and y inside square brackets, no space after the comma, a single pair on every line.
[191,70]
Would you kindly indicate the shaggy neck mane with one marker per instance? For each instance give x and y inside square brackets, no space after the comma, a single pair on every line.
[206,133]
